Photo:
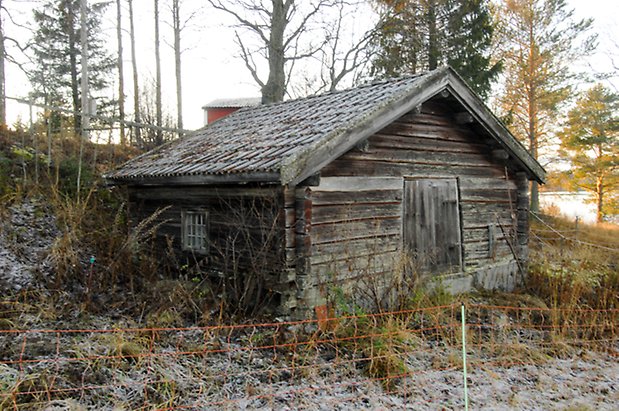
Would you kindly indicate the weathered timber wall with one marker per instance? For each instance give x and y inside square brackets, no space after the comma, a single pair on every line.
[246,224]
[356,219]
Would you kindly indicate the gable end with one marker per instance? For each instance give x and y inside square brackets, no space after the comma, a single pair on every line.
[313,158]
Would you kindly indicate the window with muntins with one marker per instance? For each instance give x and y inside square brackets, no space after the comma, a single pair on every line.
[195,230]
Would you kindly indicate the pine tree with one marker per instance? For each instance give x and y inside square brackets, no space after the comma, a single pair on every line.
[590,139]
[540,41]
[419,35]
[400,40]
[57,55]
[470,31]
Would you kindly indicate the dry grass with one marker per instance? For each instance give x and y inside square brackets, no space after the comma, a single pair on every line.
[574,269]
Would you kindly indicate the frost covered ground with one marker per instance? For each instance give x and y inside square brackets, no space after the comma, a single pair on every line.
[571,384]
[195,370]
[27,233]
[117,371]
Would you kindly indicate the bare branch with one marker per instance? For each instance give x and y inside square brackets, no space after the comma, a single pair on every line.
[248,60]
[303,24]
[256,28]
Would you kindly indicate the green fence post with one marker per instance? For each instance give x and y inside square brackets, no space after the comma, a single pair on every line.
[466,394]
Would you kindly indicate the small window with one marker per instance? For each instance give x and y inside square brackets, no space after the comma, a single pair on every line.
[195,230]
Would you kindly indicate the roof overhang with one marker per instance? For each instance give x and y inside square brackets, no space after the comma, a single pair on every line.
[197,179]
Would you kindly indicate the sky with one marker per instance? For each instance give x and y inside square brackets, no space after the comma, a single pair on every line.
[211,67]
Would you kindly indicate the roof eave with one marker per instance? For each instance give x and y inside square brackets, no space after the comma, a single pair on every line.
[197,179]
[482,114]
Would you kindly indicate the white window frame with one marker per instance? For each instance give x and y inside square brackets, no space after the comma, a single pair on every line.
[194,230]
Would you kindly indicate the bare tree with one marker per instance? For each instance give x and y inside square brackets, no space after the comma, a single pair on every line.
[279,26]
[7,57]
[136,88]
[181,21]
[341,56]
[159,117]
[176,25]
[2,76]
[121,77]
[155,136]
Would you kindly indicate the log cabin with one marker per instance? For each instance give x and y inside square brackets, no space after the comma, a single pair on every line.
[352,194]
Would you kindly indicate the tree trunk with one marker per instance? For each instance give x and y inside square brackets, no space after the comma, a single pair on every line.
[2,77]
[85,111]
[533,114]
[599,194]
[75,95]
[533,151]
[275,87]
[121,77]
[433,49]
[136,88]
[85,106]
[159,119]
[177,60]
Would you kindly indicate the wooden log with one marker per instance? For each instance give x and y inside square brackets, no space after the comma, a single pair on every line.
[430,157]
[342,269]
[365,245]
[346,166]
[447,131]
[330,214]
[190,194]
[358,184]
[303,242]
[368,197]
[390,141]
[341,231]
[352,252]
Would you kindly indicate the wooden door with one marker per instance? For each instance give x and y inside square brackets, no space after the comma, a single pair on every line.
[431,224]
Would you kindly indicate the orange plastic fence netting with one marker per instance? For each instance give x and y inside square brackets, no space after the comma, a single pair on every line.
[371,360]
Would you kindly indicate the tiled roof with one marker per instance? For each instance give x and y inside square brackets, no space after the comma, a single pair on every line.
[257,139]
[289,141]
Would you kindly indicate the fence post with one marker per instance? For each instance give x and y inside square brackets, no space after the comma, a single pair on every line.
[466,395]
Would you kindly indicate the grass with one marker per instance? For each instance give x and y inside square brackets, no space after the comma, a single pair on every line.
[574,269]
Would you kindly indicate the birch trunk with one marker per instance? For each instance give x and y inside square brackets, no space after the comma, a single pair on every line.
[2,77]
[121,77]
[136,88]
[177,60]
[159,119]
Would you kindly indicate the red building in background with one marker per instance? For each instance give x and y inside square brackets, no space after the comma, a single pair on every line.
[219,108]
